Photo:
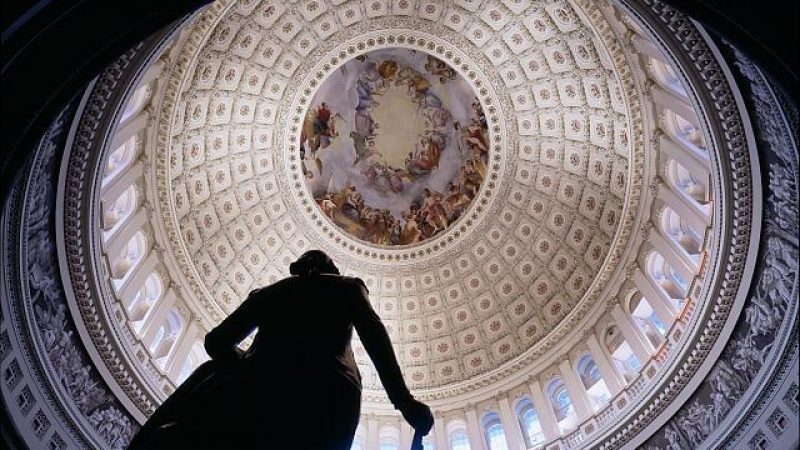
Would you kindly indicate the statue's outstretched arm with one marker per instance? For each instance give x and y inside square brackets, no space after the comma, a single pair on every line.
[221,342]
[376,341]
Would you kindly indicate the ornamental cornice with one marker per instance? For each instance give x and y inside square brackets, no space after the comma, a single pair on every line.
[722,116]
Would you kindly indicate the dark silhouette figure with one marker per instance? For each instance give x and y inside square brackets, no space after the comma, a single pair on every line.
[297,386]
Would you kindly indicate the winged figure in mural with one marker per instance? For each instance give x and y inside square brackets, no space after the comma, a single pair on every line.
[319,130]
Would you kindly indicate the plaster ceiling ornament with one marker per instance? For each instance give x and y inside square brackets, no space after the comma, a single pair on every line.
[276,115]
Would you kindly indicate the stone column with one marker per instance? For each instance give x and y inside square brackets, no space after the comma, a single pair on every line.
[156,317]
[136,280]
[121,181]
[613,380]
[700,218]
[647,48]
[544,409]
[439,432]
[152,72]
[638,343]
[511,426]
[677,104]
[694,158]
[130,128]
[678,260]
[406,435]
[577,391]
[119,240]
[372,436]
[657,298]
[475,431]
[178,357]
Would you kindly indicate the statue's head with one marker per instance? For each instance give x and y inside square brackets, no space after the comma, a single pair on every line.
[313,262]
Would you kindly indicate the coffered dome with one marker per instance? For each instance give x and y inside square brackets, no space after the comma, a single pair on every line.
[551,203]
[314,126]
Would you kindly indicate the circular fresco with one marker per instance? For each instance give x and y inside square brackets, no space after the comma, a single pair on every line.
[394,146]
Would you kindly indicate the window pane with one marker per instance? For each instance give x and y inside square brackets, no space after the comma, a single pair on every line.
[459,440]
[532,427]
[496,437]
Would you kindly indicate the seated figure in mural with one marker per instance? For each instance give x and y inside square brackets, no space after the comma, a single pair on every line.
[297,386]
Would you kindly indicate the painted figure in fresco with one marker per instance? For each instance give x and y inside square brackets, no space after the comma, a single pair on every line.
[433,207]
[318,128]
[411,232]
[359,146]
[417,84]
[301,356]
[436,66]
[384,178]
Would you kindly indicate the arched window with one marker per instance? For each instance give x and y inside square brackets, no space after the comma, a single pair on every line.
[119,159]
[686,238]
[131,254]
[596,388]
[647,320]
[166,337]
[562,405]
[494,433]
[197,355]
[145,299]
[136,103]
[687,184]
[529,423]
[622,356]
[115,212]
[667,278]
[665,76]
[687,130]
[459,440]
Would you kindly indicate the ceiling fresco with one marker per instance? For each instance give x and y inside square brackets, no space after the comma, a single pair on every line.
[394,146]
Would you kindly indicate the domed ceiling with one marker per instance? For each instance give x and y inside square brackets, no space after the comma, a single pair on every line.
[472,161]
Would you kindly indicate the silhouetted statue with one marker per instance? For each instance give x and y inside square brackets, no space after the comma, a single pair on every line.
[297,386]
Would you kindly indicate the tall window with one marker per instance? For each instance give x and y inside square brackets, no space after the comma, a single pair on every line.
[115,213]
[131,254]
[389,438]
[529,423]
[459,440]
[688,184]
[119,159]
[667,278]
[622,355]
[144,300]
[593,382]
[197,355]
[686,238]
[166,337]
[389,444]
[562,405]
[494,433]
[136,103]
[647,320]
